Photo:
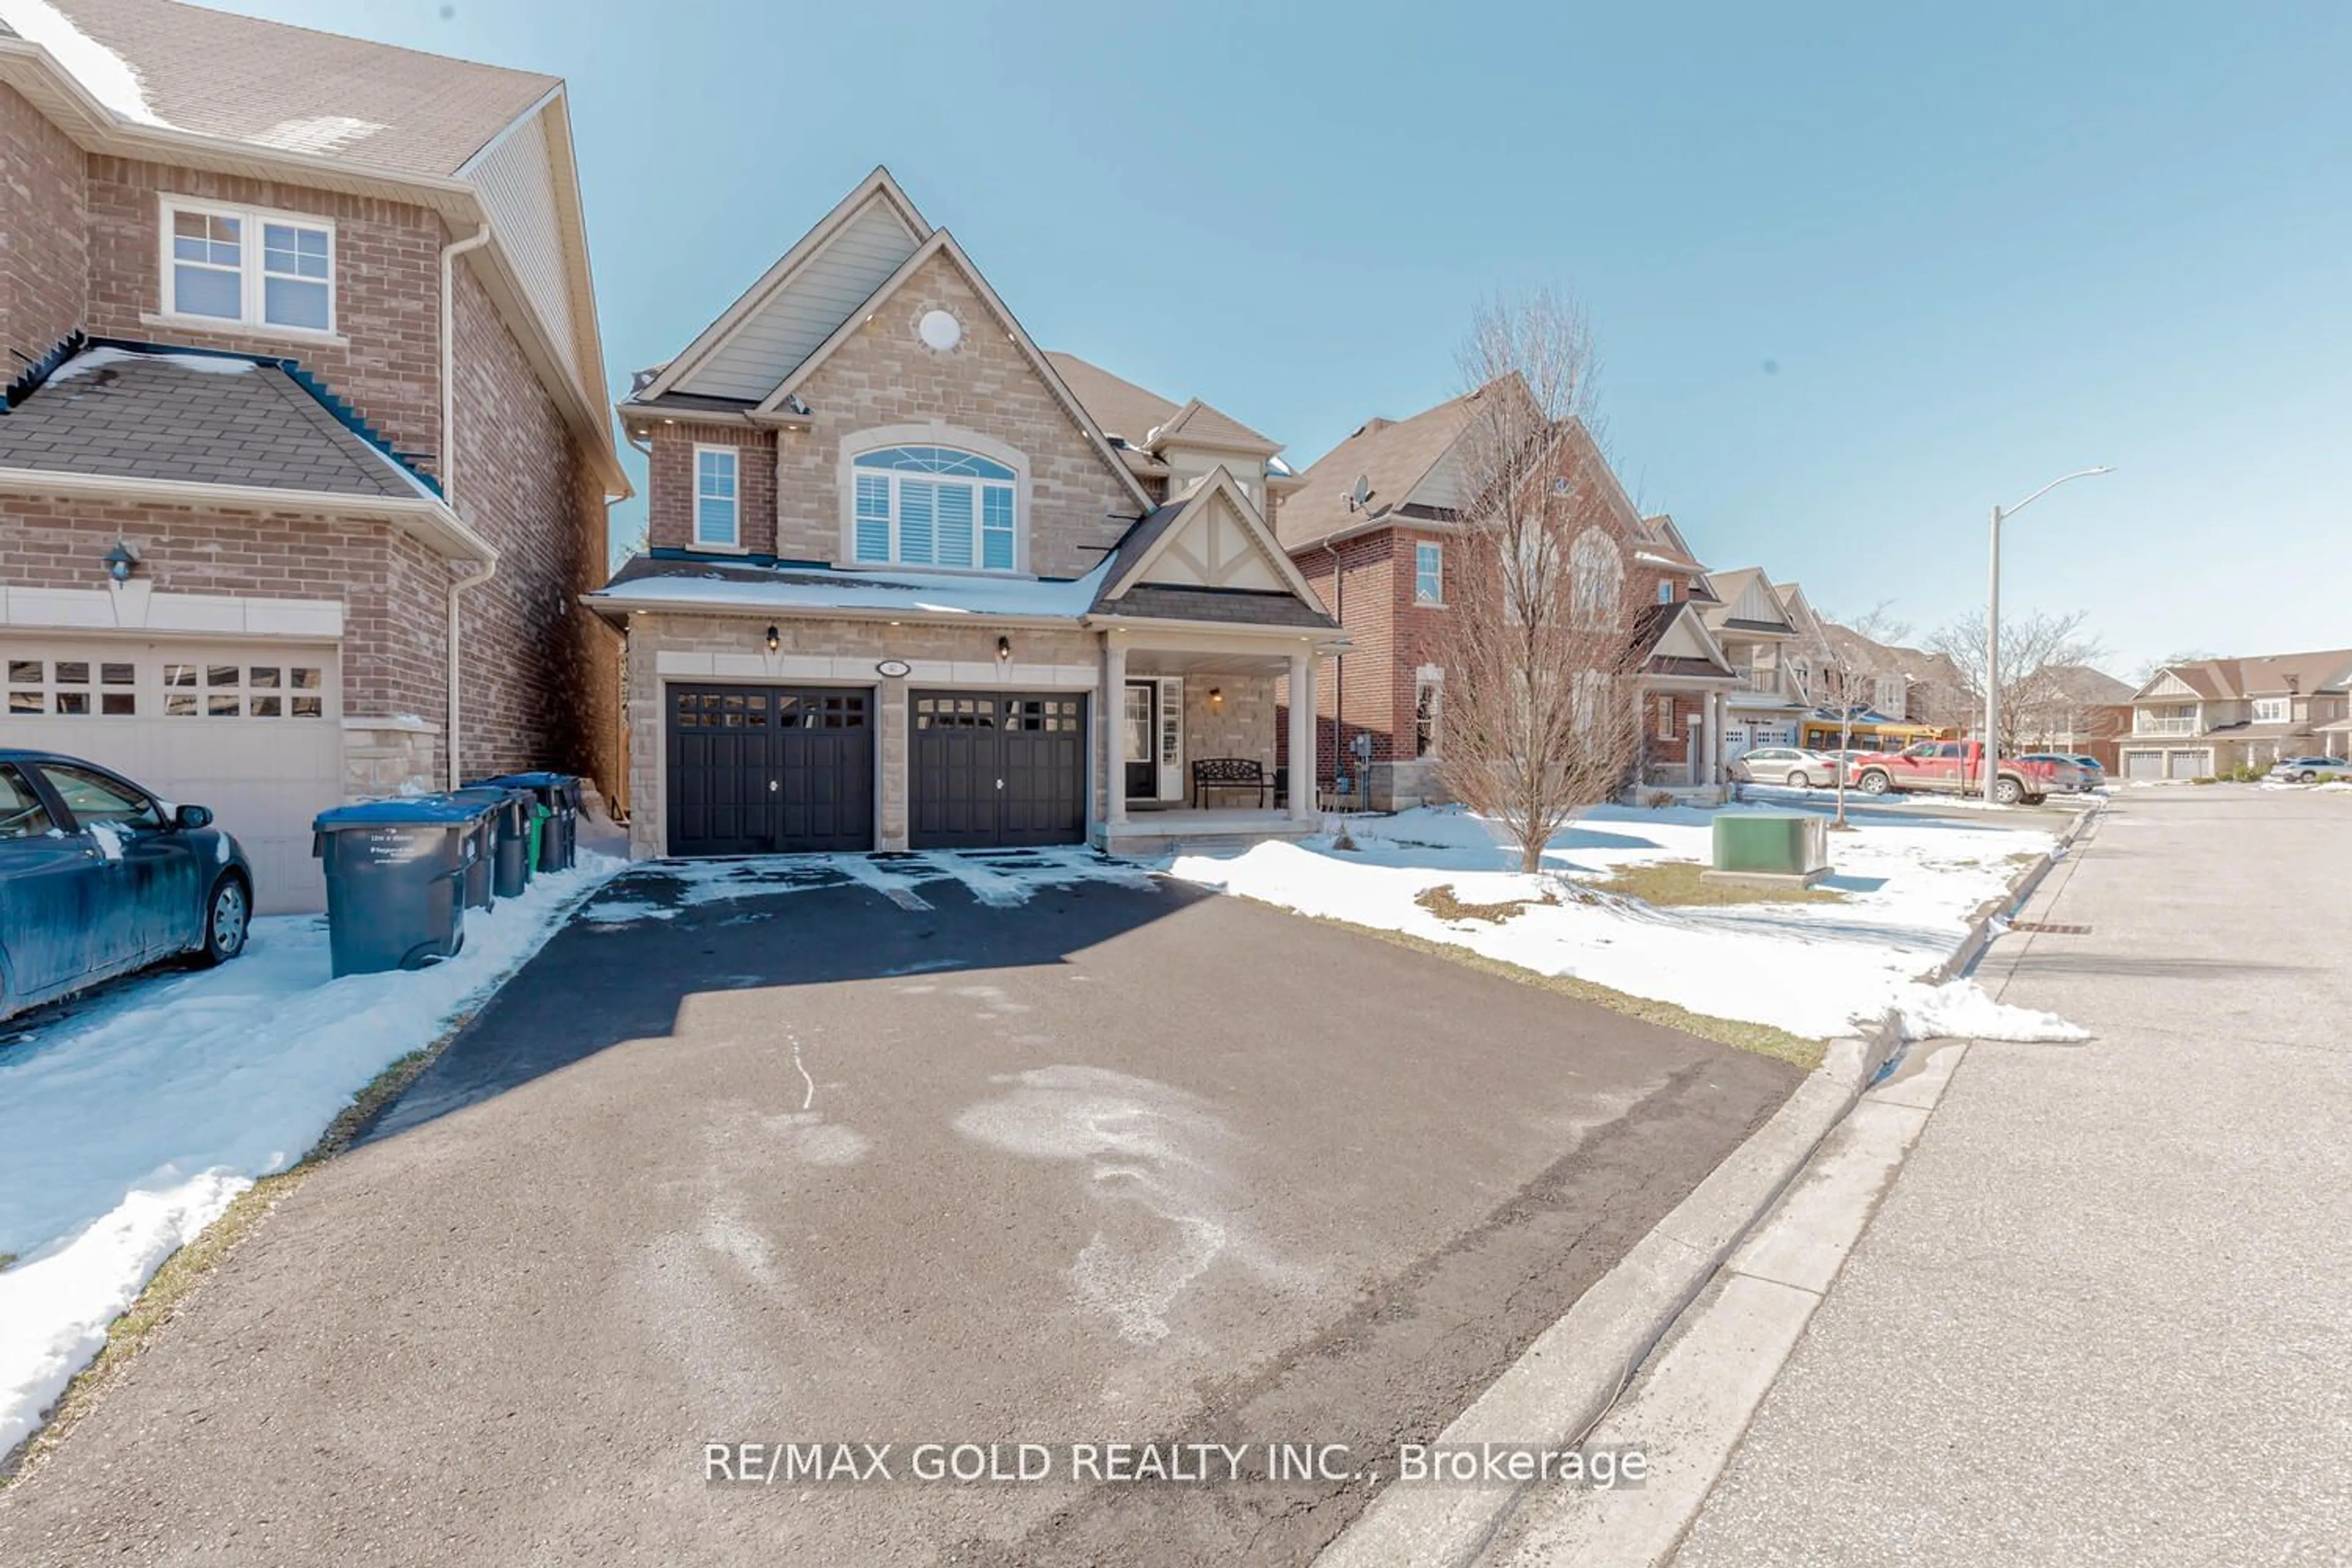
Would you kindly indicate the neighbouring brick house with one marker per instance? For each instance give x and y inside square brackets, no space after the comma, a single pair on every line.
[913,582]
[1369,525]
[2197,718]
[304,459]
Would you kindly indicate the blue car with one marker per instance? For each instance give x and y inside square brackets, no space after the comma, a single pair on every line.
[98,878]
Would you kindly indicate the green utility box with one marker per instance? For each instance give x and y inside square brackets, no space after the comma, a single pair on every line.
[1771,849]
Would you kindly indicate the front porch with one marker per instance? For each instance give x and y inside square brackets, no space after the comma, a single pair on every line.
[1194,742]
[1148,834]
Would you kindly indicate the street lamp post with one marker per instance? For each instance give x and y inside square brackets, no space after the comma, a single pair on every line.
[1992,629]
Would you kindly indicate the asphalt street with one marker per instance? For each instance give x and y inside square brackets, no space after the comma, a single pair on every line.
[813,1165]
[2104,1316]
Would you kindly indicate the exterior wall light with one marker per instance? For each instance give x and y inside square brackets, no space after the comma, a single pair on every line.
[1217,696]
[1003,650]
[120,559]
[774,641]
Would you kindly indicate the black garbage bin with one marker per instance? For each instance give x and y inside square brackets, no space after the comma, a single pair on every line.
[395,881]
[510,850]
[560,792]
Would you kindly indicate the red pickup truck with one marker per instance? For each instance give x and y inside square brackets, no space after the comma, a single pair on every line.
[1954,767]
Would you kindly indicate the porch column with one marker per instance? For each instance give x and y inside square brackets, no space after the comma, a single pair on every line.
[1302,738]
[1715,710]
[1113,708]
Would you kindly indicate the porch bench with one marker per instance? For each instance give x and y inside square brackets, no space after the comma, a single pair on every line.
[1229,774]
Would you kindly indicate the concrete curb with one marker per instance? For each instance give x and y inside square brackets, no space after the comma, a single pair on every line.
[1565,1382]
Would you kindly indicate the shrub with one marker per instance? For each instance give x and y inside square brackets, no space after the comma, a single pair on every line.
[1660,798]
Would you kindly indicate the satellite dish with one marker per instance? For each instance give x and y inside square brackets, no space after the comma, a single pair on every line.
[1360,496]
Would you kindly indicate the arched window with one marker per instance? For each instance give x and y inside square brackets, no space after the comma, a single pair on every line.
[1596,580]
[934,506]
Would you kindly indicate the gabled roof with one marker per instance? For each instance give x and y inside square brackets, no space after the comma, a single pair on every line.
[942,246]
[1205,555]
[1673,639]
[117,410]
[1394,455]
[2268,675]
[1144,419]
[1745,602]
[272,85]
[825,278]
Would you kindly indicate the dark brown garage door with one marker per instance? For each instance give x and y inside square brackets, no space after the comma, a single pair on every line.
[766,770]
[993,769]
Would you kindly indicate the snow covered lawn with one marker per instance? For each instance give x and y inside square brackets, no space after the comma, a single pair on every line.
[129,1121]
[1909,886]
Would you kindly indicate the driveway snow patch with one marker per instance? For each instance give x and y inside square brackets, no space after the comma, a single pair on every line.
[1910,885]
[128,1122]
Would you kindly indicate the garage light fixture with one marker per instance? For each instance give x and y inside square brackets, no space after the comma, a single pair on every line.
[1003,650]
[120,559]
[774,641]
[1216,697]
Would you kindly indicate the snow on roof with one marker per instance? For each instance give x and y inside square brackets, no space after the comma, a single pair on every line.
[107,75]
[821,588]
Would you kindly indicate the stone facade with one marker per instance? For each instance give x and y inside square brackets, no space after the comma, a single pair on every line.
[663,647]
[884,375]
[390,756]
[1244,720]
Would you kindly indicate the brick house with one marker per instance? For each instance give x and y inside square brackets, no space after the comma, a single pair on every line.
[2195,718]
[1369,524]
[908,587]
[305,459]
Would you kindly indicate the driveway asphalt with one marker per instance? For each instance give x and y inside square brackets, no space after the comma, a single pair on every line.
[2104,1314]
[809,1162]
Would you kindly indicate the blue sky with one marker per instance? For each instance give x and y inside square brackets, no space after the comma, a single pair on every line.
[1857,272]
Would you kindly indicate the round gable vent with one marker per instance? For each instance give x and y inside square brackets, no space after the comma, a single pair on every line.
[939,329]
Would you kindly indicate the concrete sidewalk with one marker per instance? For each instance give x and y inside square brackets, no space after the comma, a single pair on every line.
[2102,1316]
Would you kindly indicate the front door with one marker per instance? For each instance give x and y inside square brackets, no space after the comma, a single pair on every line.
[1142,771]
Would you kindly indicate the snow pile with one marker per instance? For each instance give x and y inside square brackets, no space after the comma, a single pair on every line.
[128,1123]
[2334,786]
[1911,885]
[1960,1010]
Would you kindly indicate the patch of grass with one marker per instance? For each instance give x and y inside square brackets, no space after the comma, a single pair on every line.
[1442,902]
[1763,1039]
[176,1281]
[1671,882]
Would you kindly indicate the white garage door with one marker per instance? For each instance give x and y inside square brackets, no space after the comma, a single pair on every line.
[253,731]
[2187,764]
[2143,764]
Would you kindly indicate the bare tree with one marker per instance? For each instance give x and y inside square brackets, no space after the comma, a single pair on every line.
[1860,657]
[2038,655]
[1541,718]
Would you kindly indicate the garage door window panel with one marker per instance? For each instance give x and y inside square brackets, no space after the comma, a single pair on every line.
[243,692]
[71,689]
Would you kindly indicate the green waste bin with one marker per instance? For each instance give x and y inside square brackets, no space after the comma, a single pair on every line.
[1771,844]
[536,831]
[560,794]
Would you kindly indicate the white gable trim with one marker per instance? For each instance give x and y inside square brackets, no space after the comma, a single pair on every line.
[1690,632]
[1218,483]
[942,243]
[877,186]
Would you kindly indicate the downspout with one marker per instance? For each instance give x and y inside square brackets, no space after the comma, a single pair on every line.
[449,254]
[1339,673]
